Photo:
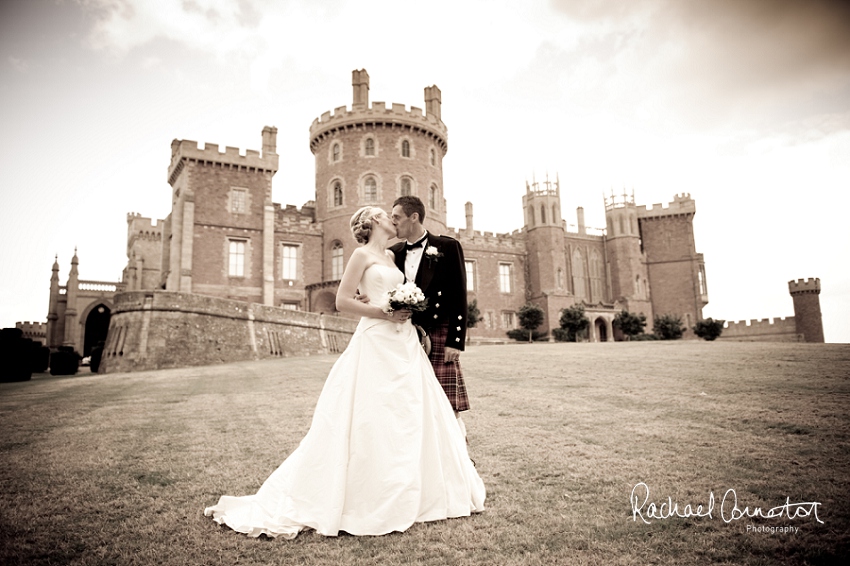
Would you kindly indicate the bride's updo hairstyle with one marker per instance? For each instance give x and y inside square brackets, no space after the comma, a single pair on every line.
[361,223]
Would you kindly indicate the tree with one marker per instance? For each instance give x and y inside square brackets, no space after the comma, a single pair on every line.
[530,317]
[709,328]
[668,327]
[572,323]
[473,315]
[630,324]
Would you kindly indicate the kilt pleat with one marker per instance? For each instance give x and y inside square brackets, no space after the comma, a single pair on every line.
[450,375]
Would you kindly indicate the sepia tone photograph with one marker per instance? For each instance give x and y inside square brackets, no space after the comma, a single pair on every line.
[337,282]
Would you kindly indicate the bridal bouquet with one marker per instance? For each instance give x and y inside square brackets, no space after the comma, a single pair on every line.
[405,296]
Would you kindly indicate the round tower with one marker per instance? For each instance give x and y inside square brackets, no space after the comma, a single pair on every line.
[370,155]
[629,280]
[807,316]
[547,268]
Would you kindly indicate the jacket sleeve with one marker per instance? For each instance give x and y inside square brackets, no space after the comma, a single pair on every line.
[457,309]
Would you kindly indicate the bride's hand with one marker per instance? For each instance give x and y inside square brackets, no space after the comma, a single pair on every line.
[400,315]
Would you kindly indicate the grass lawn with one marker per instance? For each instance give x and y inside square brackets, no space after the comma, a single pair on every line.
[117,469]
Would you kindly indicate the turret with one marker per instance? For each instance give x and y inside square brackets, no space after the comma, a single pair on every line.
[53,307]
[807,315]
[71,303]
[360,87]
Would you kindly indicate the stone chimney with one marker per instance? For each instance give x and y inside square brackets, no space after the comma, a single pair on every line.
[469,218]
[269,140]
[433,101]
[360,86]
[580,216]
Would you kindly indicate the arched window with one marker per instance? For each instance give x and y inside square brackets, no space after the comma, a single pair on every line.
[637,286]
[369,146]
[336,261]
[405,148]
[405,189]
[336,152]
[542,214]
[579,286]
[433,157]
[370,190]
[559,282]
[595,277]
[338,194]
[432,197]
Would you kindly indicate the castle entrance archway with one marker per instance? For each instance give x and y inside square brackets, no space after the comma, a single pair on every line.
[601,330]
[96,328]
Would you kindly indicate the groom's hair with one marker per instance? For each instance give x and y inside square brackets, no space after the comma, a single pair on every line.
[411,204]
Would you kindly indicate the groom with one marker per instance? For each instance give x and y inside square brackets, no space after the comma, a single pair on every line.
[435,264]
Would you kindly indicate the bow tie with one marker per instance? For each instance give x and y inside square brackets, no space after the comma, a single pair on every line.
[418,244]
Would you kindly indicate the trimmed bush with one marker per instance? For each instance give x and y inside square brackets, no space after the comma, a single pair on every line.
[39,358]
[14,355]
[64,361]
[521,335]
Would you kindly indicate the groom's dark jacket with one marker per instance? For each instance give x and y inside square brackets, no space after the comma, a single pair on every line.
[443,281]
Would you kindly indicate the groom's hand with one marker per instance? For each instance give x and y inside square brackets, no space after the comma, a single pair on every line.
[451,355]
[362,298]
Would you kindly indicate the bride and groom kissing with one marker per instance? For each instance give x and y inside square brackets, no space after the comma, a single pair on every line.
[386,447]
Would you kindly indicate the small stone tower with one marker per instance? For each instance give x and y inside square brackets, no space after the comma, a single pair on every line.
[72,288]
[626,260]
[807,315]
[144,253]
[53,326]
[547,265]
[370,155]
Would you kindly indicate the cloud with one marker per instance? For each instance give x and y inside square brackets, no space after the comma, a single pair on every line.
[18,64]
[712,63]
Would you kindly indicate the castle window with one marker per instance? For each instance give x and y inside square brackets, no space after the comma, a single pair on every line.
[336,262]
[622,226]
[289,306]
[595,277]
[637,286]
[531,216]
[433,157]
[579,284]
[238,201]
[559,282]
[370,190]
[405,148]
[236,259]
[554,214]
[542,214]
[369,147]
[337,194]
[432,197]
[405,186]
[336,152]
[289,262]
[703,289]
[508,320]
[505,277]
[470,275]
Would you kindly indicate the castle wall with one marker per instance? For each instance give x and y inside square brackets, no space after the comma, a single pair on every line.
[35,331]
[764,330]
[160,329]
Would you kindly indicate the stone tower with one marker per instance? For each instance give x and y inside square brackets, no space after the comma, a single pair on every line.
[807,316]
[221,226]
[626,260]
[370,155]
[53,327]
[144,253]
[676,271]
[72,288]
[547,264]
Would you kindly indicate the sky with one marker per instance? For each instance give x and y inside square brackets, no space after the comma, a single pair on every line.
[743,104]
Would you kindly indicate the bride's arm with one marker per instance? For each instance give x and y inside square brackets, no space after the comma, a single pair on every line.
[345,301]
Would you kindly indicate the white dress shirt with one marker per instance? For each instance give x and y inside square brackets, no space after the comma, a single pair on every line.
[413,259]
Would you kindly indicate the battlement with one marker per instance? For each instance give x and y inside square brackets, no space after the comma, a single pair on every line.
[682,204]
[377,114]
[804,286]
[189,150]
[769,329]
[137,223]
[290,217]
[619,201]
[507,240]
[543,188]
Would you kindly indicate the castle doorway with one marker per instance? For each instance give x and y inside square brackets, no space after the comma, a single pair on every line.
[601,330]
[97,326]
[325,303]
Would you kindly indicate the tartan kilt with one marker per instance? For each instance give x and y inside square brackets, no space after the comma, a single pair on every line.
[449,375]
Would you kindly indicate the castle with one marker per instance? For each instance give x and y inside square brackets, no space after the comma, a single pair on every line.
[226,240]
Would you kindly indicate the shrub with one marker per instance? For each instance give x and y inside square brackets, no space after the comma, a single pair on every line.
[14,355]
[64,361]
[521,335]
[709,328]
[630,324]
[96,356]
[39,358]
[668,327]
[530,317]
[643,336]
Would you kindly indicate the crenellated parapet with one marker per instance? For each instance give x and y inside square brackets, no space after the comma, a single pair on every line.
[682,204]
[187,151]
[378,115]
[804,286]
[290,217]
[508,241]
[782,329]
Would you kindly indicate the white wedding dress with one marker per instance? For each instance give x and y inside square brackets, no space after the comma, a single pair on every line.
[384,449]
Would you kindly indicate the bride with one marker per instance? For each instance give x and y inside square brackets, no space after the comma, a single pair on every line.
[384,449]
